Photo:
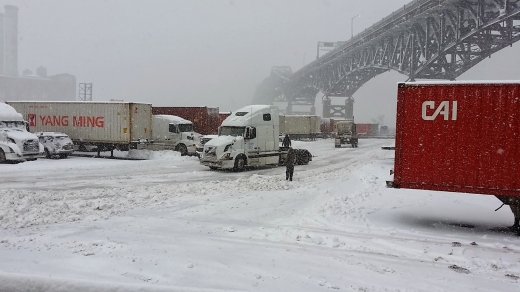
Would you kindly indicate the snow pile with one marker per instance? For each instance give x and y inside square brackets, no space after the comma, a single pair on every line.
[154,155]
[26,208]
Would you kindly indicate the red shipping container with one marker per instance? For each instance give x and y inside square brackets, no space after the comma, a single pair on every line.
[458,137]
[363,129]
[223,116]
[205,119]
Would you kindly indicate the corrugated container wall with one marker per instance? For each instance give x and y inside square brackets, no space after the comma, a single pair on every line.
[95,122]
[223,116]
[458,137]
[299,124]
[205,120]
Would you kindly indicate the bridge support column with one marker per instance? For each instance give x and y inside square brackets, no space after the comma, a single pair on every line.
[326,107]
[349,108]
[288,110]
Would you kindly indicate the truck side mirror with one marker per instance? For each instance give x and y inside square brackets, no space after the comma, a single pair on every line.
[246,133]
[218,131]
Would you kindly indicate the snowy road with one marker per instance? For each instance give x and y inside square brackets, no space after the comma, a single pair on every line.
[171,225]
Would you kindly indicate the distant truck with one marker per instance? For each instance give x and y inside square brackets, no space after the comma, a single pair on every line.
[300,127]
[249,137]
[16,143]
[206,120]
[459,137]
[346,134]
[110,125]
[172,132]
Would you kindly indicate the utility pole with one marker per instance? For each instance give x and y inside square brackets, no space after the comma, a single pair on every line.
[352,25]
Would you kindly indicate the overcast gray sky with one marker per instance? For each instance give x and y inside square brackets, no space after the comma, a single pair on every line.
[205,53]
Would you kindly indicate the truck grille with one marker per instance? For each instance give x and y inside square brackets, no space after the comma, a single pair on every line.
[210,151]
[31,146]
[67,147]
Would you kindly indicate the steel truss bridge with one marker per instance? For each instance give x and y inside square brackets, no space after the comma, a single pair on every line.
[426,39]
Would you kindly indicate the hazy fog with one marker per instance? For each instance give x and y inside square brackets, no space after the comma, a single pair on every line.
[213,52]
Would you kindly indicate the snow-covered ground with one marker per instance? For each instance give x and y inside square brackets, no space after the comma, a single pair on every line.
[169,224]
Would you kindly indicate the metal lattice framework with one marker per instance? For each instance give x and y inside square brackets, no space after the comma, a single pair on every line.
[427,39]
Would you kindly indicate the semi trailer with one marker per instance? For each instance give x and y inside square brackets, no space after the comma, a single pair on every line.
[300,126]
[459,137]
[110,125]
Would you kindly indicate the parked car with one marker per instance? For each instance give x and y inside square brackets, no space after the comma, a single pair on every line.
[203,140]
[56,144]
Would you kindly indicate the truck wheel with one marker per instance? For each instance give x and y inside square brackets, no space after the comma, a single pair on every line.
[304,159]
[64,156]
[182,149]
[47,153]
[83,148]
[337,146]
[213,168]
[240,163]
[2,156]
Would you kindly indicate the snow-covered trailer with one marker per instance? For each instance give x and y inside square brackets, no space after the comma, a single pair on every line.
[459,137]
[300,126]
[108,125]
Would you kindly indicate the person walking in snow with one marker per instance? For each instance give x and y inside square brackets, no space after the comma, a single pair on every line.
[291,160]
[286,141]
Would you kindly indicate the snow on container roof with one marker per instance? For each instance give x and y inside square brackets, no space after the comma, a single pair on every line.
[462,82]
[74,102]
[8,113]
[175,119]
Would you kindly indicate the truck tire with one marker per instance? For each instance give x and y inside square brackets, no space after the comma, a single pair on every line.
[182,149]
[240,163]
[47,153]
[64,155]
[2,156]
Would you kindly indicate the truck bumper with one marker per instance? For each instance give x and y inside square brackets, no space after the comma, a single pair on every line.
[192,150]
[16,157]
[221,164]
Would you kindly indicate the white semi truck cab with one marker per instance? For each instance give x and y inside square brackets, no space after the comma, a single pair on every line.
[248,137]
[177,132]
[16,143]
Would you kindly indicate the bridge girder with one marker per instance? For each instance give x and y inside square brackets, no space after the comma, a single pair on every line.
[428,39]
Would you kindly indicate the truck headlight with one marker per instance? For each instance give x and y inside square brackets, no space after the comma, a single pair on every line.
[225,156]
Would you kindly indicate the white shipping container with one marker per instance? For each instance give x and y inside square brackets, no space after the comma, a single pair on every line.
[300,125]
[90,122]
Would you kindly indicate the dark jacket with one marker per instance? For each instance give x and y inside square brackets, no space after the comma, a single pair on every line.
[286,141]
[291,157]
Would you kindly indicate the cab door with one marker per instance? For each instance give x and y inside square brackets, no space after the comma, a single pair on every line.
[174,136]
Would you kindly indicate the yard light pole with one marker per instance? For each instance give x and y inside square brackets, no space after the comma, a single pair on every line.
[352,25]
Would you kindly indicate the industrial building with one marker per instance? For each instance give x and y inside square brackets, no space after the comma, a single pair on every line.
[38,87]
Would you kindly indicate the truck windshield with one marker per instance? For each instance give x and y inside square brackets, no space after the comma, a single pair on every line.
[12,124]
[185,128]
[232,131]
